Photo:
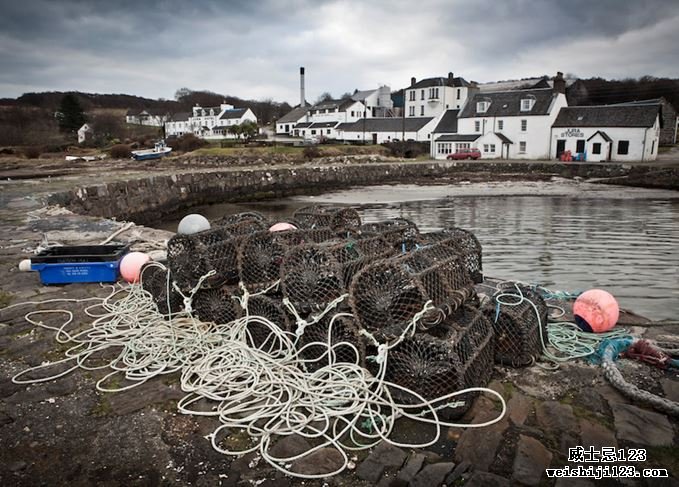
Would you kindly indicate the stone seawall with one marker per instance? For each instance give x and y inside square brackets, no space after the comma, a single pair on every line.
[145,200]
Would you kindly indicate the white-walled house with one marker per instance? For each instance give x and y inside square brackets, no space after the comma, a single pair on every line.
[341,111]
[210,122]
[378,102]
[147,116]
[316,129]
[379,130]
[286,124]
[512,124]
[430,97]
[608,132]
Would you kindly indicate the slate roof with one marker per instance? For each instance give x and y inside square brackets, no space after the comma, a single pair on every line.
[522,84]
[322,125]
[235,113]
[362,95]
[293,116]
[303,125]
[457,82]
[448,123]
[508,103]
[608,116]
[344,126]
[458,138]
[180,117]
[388,124]
[503,138]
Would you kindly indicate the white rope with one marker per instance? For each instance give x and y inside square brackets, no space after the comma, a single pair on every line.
[266,392]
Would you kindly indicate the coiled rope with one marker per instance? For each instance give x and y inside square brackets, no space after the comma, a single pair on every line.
[265,391]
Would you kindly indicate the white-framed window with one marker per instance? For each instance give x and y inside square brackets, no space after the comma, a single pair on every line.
[421,110]
[352,113]
[482,106]
[522,147]
[327,131]
[462,145]
[524,125]
[492,148]
[458,93]
[412,95]
[527,104]
[485,147]
[422,95]
[412,111]
[477,126]
[500,124]
[433,93]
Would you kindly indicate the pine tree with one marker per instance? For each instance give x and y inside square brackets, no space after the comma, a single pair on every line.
[70,115]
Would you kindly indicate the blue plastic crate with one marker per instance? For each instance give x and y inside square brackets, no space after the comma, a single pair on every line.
[64,265]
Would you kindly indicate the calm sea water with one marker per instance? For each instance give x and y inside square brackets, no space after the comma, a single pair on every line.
[561,234]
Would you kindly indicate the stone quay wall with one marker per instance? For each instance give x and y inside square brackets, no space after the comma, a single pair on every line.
[145,200]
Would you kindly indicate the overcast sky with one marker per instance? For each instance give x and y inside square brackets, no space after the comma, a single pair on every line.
[253,49]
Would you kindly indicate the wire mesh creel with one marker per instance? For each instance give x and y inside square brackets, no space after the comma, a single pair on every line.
[158,282]
[516,324]
[335,217]
[344,331]
[465,243]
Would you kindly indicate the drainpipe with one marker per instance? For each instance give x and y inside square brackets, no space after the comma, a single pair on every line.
[643,145]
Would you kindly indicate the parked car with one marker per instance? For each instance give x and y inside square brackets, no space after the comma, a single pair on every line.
[465,154]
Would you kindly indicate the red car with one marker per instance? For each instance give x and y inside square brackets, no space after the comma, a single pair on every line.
[465,154]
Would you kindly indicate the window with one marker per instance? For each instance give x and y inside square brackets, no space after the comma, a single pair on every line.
[580,146]
[433,93]
[482,106]
[526,104]
[352,113]
[596,148]
[412,95]
[477,126]
[412,111]
[462,145]
[623,147]
[458,93]
[485,147]
[500,124]
[522,147]
[327,131]
[524,125]
[313,132]
[421,110]
[492,147]
[422,93]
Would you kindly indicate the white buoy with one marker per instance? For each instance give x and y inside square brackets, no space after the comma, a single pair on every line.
[193,223]
[25,265]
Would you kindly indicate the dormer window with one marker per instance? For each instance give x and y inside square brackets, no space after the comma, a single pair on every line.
[482,106]
[527,104]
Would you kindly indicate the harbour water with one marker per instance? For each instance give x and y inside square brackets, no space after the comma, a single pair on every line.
[562,234]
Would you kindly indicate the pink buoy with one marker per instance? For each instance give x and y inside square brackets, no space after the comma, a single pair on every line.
[130,265]
[596,311]
[282,226]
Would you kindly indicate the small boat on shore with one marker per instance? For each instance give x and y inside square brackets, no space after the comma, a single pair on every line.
[158,151]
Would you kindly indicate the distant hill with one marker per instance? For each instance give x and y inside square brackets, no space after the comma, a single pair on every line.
[599,91]
[265,110]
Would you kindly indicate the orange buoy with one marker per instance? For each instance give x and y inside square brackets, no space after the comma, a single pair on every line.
[596,311]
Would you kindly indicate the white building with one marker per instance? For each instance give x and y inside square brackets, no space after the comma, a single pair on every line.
[379,130]
[607,133]
[209,122]
[511,124]
[286,124]
[148,116]
[378,103]
[430,97]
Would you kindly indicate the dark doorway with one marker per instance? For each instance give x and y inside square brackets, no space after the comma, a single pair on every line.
[580,146]
[560,147]
[374,138]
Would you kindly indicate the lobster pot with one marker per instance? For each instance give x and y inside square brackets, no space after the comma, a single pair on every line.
[272,310]
[157,281]
[227,220]
[345,340]
[190,257]
[402,234]
[374,247]
[429,367]
[517,326]
[385,297]
[471,335]
[216,306]
[301,237]
[465,243]
[260,257]
[327,216]
[311,277]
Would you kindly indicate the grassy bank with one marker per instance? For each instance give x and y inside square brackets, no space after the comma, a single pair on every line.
[324,150]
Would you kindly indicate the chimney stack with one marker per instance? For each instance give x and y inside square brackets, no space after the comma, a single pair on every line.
[413,81]
[302,101]
[450,77]
[559,83]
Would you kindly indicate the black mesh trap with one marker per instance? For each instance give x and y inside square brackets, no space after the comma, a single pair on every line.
[154,279]
[240,217]
[517,325]
[271,309]
[311,277]
[344,330]
[327,216]
[465,243]
[216,306]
